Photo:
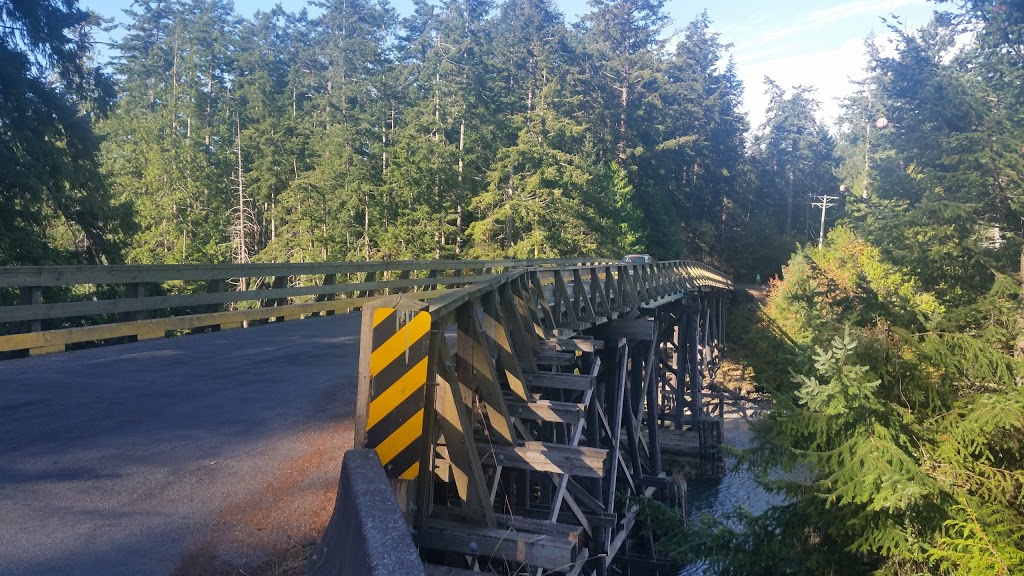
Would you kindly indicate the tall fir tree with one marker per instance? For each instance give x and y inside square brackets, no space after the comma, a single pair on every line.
[54,204]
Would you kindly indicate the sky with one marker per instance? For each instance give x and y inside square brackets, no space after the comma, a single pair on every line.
[817,43]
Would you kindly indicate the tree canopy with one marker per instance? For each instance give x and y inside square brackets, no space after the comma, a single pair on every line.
[54,204]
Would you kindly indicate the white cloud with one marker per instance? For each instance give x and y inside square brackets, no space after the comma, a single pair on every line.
[823,49]
[830,71]
[835,14]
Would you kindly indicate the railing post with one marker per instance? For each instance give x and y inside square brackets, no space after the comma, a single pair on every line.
[431,287]
[368,277]
[329,280]
[136,290]
[403,275]
[280,282]
[30,296]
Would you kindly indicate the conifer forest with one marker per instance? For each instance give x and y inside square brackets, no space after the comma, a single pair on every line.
[892,354]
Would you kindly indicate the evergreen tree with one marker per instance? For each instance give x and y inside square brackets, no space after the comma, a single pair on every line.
[941,174]
[169,148]
[795,158]
[894,433]
[704,140]
[54,205]
[328,212]
[542,201]
[271,92]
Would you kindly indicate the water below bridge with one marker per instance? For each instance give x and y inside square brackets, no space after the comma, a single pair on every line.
[738,487]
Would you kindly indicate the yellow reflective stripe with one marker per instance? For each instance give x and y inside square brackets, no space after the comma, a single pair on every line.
[380,314]
[406,434]
[399,342]
[411,473]
[410,382]
[516,386]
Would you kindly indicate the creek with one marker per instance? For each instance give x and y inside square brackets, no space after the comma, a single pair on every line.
[737,487]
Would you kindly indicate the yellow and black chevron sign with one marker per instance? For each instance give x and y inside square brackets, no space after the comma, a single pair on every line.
[398,376]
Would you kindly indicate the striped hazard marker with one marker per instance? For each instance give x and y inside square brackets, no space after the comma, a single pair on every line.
[398,376]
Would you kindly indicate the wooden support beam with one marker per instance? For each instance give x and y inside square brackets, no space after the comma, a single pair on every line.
[542,527]
[654,409]
[455,424]
[547,411]
[536,293]
[563,304]
[627,526]
[595,519]
[599,295]
[523,342]
[577,431]
[641,277]
[693,368]
[630,409]
[627,288]
[633,329]
[574,345]
[548,551]
[560,359]
[477,375]
[660,481]
[580,292]
[679,442]
[606,425]
[579,382]
[546,457]
[616,397]
[501,343]
[585,498]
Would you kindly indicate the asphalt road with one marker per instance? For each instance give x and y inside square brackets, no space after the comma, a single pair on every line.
[204,454]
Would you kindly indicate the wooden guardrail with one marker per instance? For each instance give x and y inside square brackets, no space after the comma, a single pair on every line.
[68,305]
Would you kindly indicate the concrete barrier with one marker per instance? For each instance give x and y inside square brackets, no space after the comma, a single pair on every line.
[367,534]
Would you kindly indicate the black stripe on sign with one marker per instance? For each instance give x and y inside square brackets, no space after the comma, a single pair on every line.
[403,460]
[398,415]
[384,329]
[398,367]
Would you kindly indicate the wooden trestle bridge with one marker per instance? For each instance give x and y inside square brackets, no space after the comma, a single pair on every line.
[520,418]
[519,407]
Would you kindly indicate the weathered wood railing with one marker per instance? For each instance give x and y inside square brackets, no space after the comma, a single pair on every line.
[101,303]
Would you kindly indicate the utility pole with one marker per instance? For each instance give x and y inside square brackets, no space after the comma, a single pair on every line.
[823,202]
